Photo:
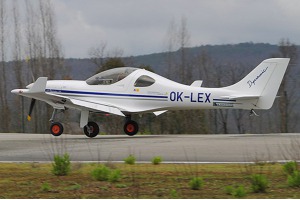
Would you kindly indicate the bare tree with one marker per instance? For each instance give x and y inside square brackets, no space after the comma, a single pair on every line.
[97,54]
[17,65]
[287,50]
[43,51]
[5,114]
[172,45]
[184,37]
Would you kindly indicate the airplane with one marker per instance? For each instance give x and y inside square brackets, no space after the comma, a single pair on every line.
[127,91]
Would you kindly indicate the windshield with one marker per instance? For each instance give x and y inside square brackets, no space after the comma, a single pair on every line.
[110,76]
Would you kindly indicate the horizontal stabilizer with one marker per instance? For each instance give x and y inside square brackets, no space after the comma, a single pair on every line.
[197,83]
[159,112]
[39,86]
[241,97]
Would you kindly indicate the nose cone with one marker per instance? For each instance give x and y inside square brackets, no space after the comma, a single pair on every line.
[19,91]
[16,91]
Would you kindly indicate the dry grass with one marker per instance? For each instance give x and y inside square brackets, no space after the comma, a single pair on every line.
[140,181]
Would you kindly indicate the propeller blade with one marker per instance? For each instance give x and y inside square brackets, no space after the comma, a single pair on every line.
[30,109]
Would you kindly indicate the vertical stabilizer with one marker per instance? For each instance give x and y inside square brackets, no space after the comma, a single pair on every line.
[262,82]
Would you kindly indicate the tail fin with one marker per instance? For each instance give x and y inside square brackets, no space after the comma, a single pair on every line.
[262,83]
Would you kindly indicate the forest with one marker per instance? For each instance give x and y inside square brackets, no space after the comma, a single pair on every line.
[35,50]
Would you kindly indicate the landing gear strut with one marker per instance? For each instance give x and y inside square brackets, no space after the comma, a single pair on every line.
[253,113]
[130,127]
[56,128]
[91,129]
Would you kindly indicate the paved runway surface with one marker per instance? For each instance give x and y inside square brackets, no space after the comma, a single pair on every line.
[172,148]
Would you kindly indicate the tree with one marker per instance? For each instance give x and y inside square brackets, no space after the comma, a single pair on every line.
[97,54]
[4,109]
[287,50]
[112,63]
[43,51]
[18,65]
[184,37]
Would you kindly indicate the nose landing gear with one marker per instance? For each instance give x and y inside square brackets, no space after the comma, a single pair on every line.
[56,129]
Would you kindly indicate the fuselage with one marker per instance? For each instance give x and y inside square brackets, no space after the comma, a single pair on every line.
[162,94]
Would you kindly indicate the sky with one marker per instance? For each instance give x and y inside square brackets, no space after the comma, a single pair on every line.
[140,27]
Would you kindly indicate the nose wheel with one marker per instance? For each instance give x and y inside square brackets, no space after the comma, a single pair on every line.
[56,129]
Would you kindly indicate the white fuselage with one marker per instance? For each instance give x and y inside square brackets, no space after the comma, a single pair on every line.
[164,94]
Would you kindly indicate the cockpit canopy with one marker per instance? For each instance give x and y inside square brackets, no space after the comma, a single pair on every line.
[110,76]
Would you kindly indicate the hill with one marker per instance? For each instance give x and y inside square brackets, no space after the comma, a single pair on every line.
[247,53]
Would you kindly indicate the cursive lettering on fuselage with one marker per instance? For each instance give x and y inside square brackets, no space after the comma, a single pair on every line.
[252,82]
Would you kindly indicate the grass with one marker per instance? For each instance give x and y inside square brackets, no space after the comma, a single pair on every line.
[141,181]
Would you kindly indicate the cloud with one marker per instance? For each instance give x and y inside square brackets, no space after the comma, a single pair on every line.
[140,27]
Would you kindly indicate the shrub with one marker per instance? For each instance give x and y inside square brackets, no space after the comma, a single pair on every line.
[61,165]
[294,179]
[259,183]
[114,176]
[237,192]
[290,167]
[101,173]
[196,183]
[156,160]
[130,160]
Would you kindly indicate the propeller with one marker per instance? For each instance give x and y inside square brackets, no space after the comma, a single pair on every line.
[32,100]
[30,109]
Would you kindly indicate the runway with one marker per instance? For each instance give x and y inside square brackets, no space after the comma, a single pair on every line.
[172,148]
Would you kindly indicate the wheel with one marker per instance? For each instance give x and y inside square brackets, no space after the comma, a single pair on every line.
[56,129]
[131,128]
[91,129]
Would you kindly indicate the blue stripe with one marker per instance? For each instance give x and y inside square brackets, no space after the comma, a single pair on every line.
[106,94]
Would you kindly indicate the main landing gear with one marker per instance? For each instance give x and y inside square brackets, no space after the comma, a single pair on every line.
[92,129]
[130,127]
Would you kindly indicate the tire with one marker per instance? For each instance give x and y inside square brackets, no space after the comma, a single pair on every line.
[131,128]
[56,129]
[94,129]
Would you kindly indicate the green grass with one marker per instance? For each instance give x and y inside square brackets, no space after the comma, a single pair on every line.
[142,181]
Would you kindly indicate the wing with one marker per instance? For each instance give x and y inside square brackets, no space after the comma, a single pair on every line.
[84,105]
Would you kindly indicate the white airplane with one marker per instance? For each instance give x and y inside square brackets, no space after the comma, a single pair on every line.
[127,91]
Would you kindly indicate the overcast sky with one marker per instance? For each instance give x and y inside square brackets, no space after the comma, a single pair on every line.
[140,26]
